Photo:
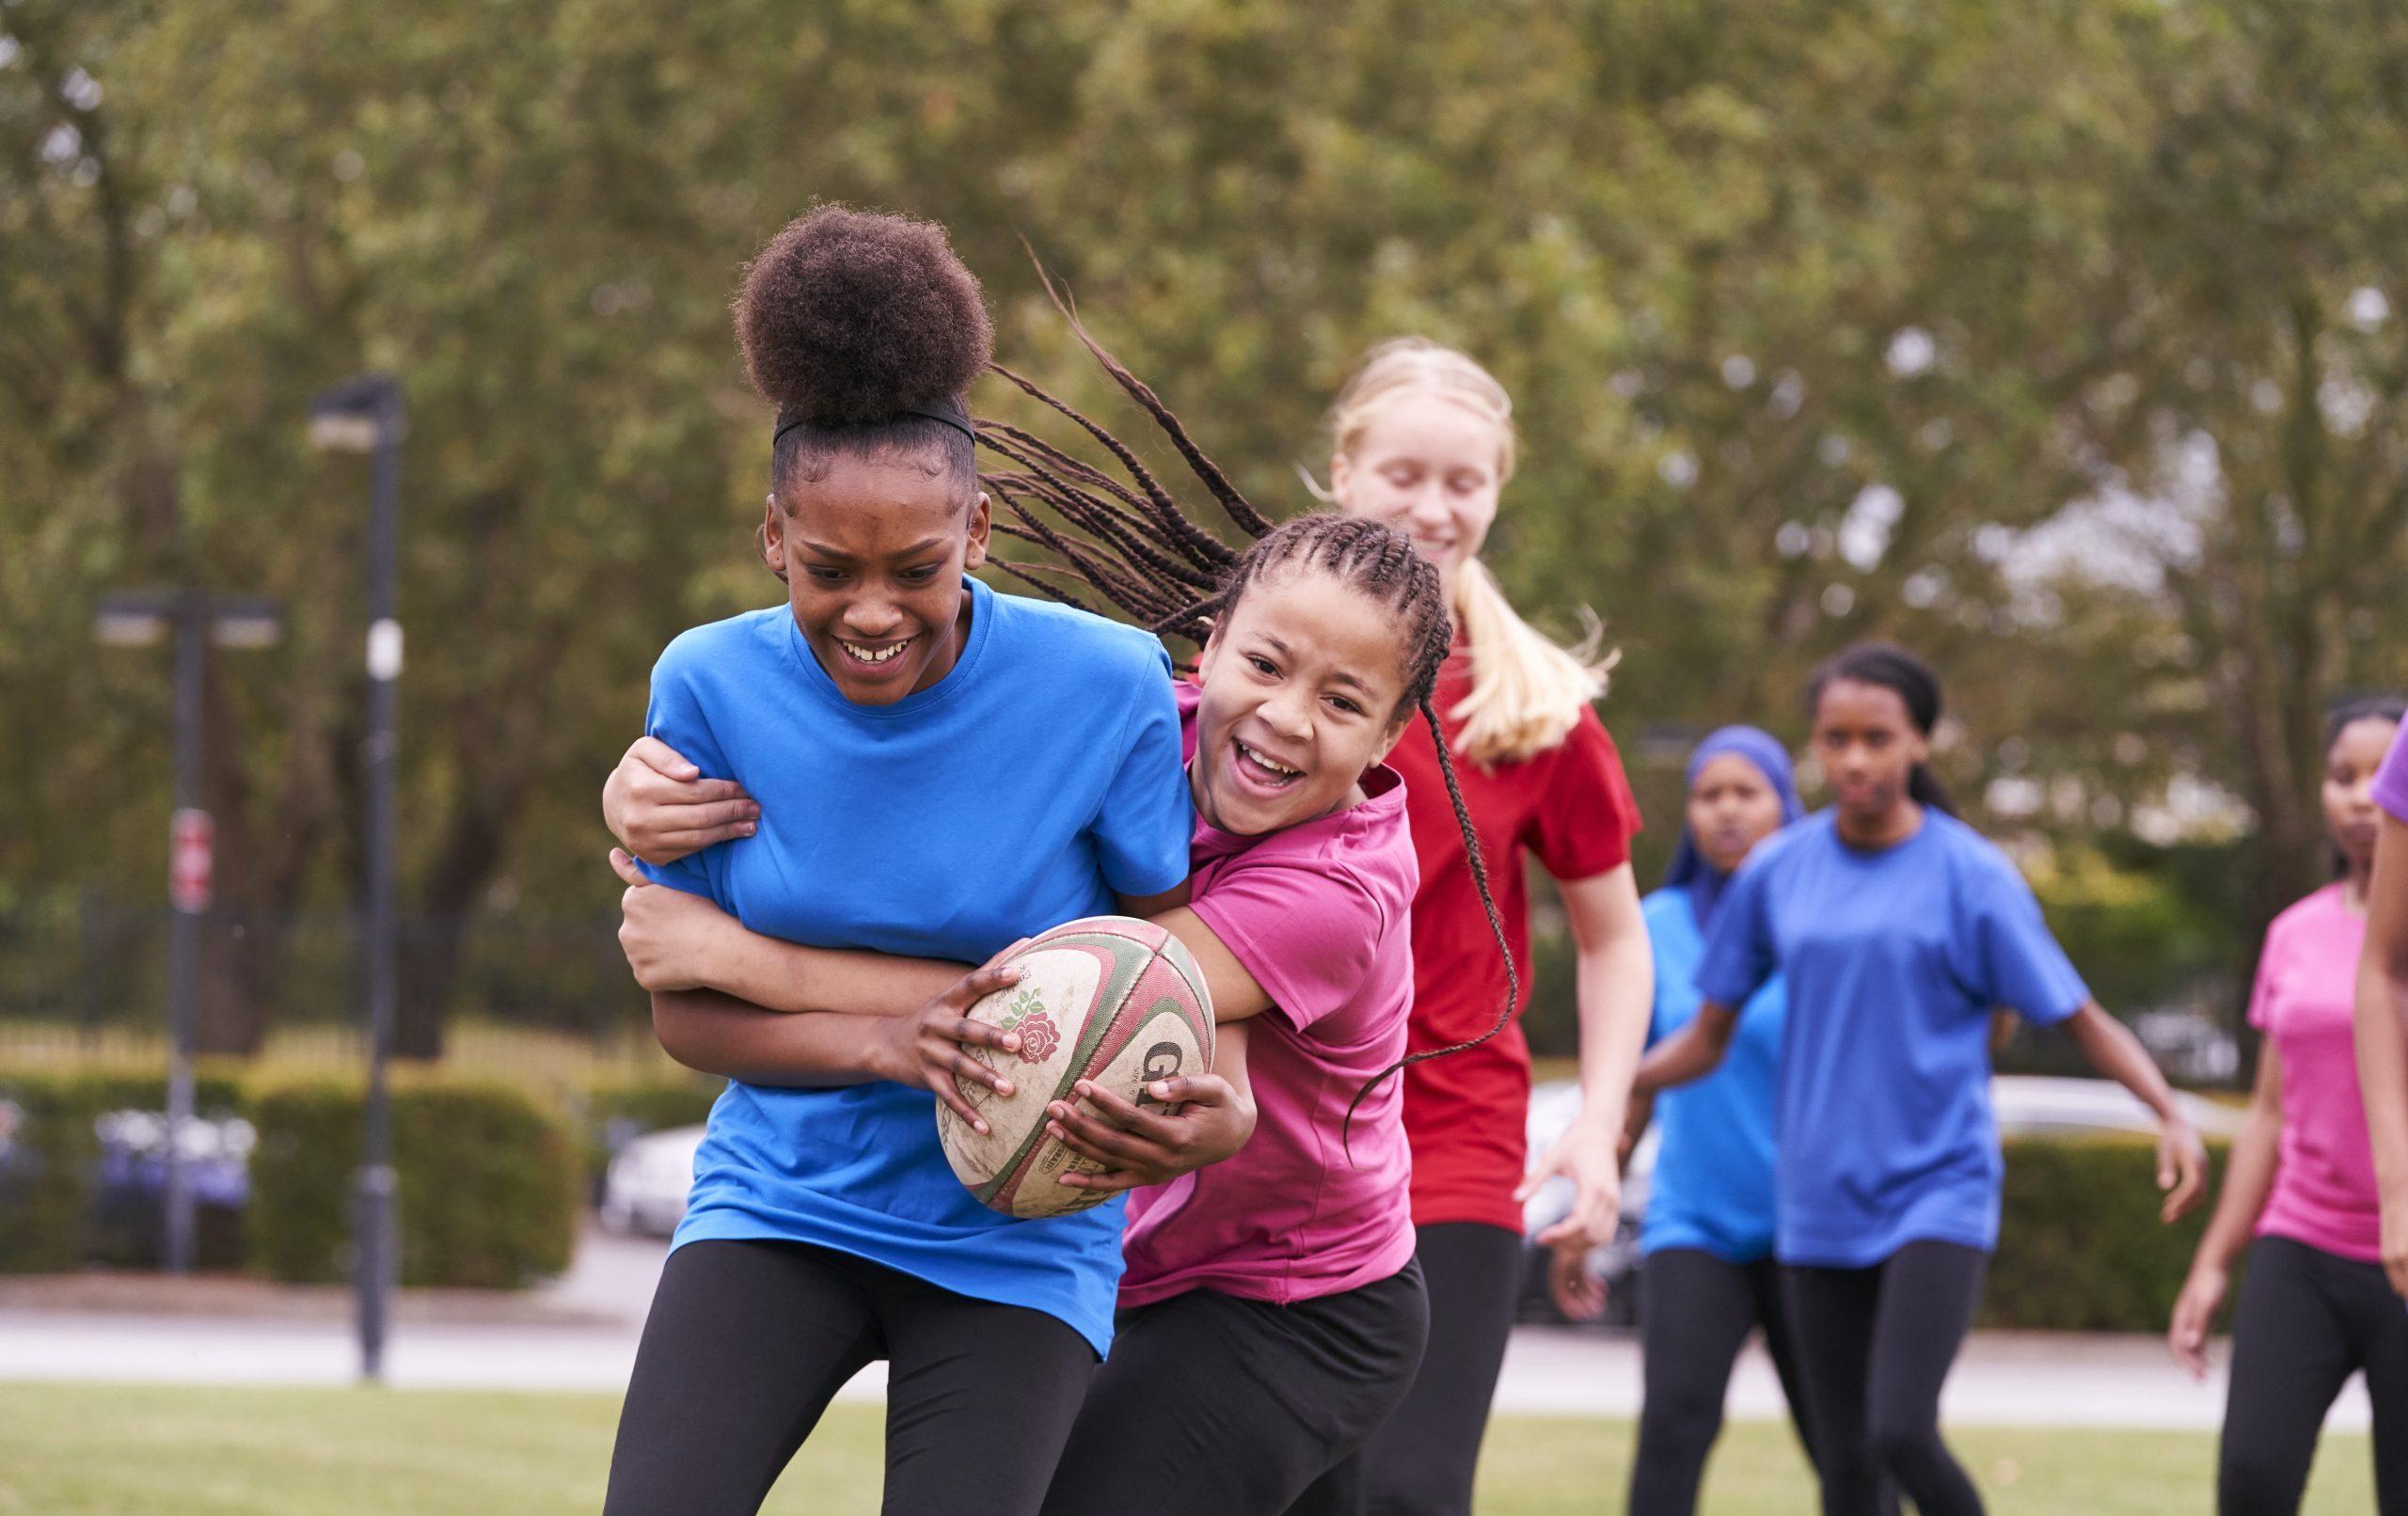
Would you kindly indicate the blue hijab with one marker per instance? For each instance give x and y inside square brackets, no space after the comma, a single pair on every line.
[1689,870]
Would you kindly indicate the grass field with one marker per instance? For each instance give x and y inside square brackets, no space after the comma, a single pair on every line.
[84,1450]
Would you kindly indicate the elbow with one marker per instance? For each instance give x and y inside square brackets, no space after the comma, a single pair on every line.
[1716,1030]
[673,1028]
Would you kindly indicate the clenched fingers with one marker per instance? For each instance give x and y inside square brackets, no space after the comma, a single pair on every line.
[1106,1143]
[1128,1117]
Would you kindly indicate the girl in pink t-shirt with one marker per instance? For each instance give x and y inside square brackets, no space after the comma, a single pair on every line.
[2314,1308]
[1272,1312]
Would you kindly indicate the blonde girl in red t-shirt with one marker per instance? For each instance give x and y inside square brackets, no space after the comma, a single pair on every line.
[1423,440]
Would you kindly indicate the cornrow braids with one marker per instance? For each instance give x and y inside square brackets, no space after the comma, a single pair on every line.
[1132,545]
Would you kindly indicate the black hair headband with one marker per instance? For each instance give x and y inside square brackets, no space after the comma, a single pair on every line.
[950,413]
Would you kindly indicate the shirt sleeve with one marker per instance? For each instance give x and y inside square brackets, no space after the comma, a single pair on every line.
[1306,935]
[1739,950]
[1584,823]
[2261,989]
[2022,967]
[2391,782]
[1143,827]
[676,716]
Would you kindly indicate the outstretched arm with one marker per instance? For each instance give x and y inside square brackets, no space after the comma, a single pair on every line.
[2182,1159]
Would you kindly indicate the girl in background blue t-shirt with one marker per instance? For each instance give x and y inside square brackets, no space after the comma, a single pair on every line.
[1897,929]
[941,770]
[1707,1236]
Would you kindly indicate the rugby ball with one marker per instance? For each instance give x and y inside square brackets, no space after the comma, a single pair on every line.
[1109,999]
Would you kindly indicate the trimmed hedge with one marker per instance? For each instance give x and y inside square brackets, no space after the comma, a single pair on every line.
[49,1220]
[489,1183]
[490,1180]
[2079,1245]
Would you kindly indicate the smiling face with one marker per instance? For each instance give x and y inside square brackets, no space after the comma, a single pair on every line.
[1732,807]
[1301,683]
[1869,746]
[2350,764]
[1430,468]
[873,553]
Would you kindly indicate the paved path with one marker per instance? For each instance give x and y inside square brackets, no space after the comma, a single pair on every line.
[580,1334]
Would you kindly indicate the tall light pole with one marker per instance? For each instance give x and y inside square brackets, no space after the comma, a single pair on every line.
[365,414]
[143,618]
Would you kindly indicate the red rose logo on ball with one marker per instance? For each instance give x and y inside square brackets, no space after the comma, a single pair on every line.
[1038,1037]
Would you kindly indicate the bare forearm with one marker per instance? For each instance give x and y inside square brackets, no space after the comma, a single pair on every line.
[1616,989]
[2108,1046]
[2383,1064]
[1229,1057]
[2248,1179]
[718,1034]
[1692,1052]
[786,976]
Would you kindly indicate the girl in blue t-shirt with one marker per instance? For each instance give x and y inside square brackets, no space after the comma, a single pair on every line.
[1707,1236]
[941,771]
[1897,929]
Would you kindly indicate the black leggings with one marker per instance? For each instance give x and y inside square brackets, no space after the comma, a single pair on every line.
[1214,1406]
[1875,1345]
[748,1341]
[1422,1462]
[1695,1312]
[2307,1321]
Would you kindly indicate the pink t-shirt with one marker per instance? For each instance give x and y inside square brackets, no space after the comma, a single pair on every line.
[2391,781]
[1320,914]
[2324,1192]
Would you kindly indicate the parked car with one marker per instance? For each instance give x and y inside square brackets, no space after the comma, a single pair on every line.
[644,1190]
[2024,1105]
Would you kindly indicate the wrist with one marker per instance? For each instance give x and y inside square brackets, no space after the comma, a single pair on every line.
[1598,1117]
[881,1054]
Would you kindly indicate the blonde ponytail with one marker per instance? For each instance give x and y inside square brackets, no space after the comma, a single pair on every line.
[1525,691]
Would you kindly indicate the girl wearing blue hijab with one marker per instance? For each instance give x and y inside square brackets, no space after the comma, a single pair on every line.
[1707,1236]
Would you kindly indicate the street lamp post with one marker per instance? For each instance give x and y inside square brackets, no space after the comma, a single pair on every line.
[365,414]
[195,617]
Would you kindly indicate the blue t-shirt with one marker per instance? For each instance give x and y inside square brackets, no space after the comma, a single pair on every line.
[1713,1183]
[1037,778]
[1894,960]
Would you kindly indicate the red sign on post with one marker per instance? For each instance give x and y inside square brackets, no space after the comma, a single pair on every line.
[192,859]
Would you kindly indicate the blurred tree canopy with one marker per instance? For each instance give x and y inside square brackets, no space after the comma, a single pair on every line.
[2056,340]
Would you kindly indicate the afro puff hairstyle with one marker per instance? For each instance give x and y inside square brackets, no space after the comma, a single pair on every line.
[848,319]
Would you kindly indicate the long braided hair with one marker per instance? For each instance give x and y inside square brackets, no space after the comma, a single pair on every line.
[1127,540]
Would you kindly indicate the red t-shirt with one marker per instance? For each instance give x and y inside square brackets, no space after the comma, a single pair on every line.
[1572,807]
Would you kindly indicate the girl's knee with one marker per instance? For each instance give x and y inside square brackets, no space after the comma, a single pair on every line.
[1903,1449]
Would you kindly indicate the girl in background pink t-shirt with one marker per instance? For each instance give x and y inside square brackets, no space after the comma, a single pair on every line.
[2314,1308]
